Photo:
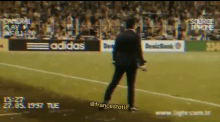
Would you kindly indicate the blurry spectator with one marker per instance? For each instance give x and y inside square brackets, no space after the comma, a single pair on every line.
[17,4]
[48,27]
[214,36]
[70,37]
[13,37]
[64,36]
[36,15]
[23,9]
[114,25]
[56,35]
[106,26]
[69,24]
[78,37]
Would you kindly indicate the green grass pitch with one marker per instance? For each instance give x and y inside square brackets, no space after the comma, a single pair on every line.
[194,75]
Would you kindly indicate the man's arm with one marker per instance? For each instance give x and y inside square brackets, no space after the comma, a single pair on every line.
[141,60]
[115,50]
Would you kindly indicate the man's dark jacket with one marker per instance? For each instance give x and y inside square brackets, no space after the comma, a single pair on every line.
[127,50]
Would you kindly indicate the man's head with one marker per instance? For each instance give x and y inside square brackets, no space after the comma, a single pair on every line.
[130,23]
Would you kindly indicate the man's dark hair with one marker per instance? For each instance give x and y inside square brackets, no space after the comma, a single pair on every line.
[130,23]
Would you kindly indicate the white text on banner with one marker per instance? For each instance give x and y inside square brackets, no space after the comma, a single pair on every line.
[107,46]
[163,46]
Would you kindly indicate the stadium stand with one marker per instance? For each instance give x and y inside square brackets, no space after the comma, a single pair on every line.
[156,20]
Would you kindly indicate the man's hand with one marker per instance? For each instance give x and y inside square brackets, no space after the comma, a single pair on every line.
[113,62]
[143,68]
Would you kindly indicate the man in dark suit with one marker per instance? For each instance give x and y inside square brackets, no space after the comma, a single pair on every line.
[127,57]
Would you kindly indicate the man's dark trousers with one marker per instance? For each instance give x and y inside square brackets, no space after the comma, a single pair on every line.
[131,76]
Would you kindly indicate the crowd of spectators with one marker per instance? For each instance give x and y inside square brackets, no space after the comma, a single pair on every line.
[156,20]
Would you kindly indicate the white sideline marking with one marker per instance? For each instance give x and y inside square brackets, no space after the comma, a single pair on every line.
[100,82]
[66,110]
[8,114]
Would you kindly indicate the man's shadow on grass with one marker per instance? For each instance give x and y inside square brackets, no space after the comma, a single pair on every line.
[71,110]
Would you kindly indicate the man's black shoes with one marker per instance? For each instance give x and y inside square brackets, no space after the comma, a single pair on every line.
[132,109]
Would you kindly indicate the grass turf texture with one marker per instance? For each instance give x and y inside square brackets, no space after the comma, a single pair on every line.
[192,75]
